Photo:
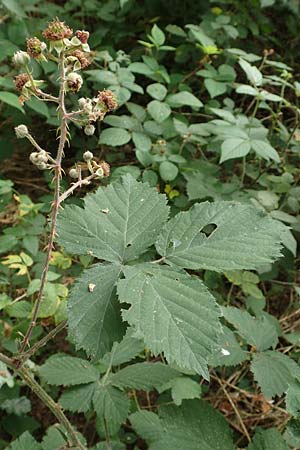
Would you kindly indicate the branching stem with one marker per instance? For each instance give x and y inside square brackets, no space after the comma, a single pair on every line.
[55,206]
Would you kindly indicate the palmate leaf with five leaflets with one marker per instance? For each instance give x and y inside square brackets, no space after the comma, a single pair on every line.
[173,312]
[243,238]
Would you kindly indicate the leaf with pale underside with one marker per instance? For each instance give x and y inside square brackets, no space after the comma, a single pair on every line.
[243,237]
[118,222]
[173,312]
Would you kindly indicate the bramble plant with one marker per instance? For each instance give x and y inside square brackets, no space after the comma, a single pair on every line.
[147,329]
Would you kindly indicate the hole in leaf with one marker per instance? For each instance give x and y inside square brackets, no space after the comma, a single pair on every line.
[128,245]
[209,229]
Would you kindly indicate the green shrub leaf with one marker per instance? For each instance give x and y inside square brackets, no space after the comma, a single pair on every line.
[114,136]
[260,333]
[195,423]
[268,440]
[158,111]
[144,376]
[93,311]
[119,222]
[68,371]
[274,371]
[167,308]
[243,238]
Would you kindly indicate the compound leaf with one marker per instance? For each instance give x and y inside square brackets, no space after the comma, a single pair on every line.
[173,312]
[243,237]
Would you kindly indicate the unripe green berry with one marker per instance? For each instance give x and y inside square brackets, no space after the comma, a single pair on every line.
[21,58]
[73,173]
[21,131]
[89,130]
[87,156]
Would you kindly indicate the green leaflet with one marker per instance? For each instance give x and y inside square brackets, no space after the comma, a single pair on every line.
[25,442]
[125,350]
[119,222]
[195,425]
[144,376]
[274,371]
[93,310]
[173,312]
[229,352]
[259,332]
[147,424]
[268,440]
[68,371]
[111,406]
[243,238]
[78,398]
[182,388]
[293,399]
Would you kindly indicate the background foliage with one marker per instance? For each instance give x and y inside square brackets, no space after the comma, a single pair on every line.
[208,97]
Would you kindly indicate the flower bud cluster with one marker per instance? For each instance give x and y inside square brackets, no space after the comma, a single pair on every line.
[93,109]
[100,169]
[40,159]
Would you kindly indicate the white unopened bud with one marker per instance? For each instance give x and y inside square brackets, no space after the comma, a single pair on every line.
[21,131]
[21,58]
[73,173]
[82,102]
[42,157]
[89,130]
[41,165]
[87,156]
[34,157]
